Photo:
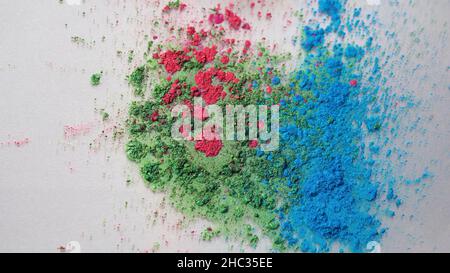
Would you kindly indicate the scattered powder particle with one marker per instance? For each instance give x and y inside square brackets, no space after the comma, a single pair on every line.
[96,79]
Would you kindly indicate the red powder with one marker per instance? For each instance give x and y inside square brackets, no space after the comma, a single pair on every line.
[166,9]
[246,26]
[212,94]
[234,20]
[211,148]
[195,92]
[230,42]
[76,130]
[180,7]
[247,46]
[190,30]
[172,60]
[204,79]
[194,36]
[225,59]
[155,116]
[253,143]
[216,18]
[196,39]
[227,77]
[173,93]
[203,33]
[206,55]
[18,143]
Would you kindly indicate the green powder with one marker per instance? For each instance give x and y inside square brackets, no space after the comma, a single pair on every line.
[225,189]
[96,79]
[137,80]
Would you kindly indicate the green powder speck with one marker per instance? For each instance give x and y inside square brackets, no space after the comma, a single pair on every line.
[96,79]
[137,80]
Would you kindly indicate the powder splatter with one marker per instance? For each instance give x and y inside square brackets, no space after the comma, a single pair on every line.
[71,131]
[321,190]
[17,142]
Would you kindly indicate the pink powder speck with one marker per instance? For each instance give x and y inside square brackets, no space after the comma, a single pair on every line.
[76,130]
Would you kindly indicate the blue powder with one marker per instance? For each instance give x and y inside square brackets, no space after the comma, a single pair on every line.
[276,80]
[334,67]
[355,52]
[330,176]
[376,66]
[390,213]
[325,171]
[373,124]
[332,8]
[313,38]
[328,172]
[390,195]
[369,42]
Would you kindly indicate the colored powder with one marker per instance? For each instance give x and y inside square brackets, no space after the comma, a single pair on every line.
[319,191]
[18,142]
[328,171]
[276,81]
[96,78]
[354,52]
[174,5]
[211,148]
[215,179]
[234,20]
[216,18]
[313,38]
[206,55]
[136,80]
[332,8]
[173,60]
[71,131]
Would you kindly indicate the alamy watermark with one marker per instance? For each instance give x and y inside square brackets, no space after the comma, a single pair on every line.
[229,122]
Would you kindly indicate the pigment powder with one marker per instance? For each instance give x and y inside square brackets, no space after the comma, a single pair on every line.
[321,190]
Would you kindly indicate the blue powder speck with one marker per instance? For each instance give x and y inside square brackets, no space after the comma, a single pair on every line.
[276,80]
[353,51]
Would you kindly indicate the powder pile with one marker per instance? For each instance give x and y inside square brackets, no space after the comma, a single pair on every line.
[320,191]
[215,179]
